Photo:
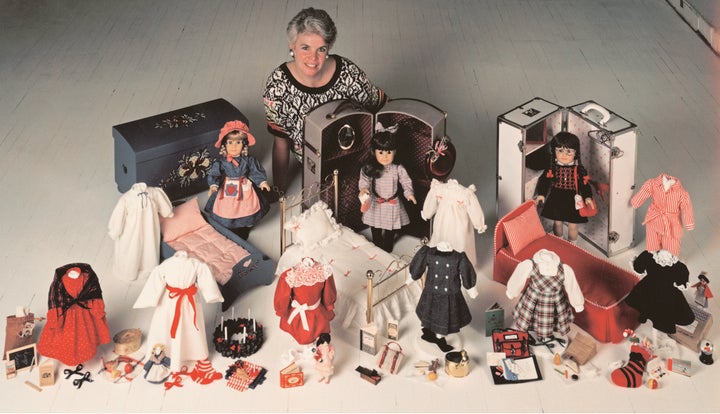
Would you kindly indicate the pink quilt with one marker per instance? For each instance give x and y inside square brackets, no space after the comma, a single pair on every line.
[220,253]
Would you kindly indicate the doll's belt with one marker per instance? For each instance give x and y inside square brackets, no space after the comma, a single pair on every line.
[300,309]
[392,200]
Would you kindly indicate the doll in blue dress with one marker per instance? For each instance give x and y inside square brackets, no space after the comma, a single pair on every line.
[235,180]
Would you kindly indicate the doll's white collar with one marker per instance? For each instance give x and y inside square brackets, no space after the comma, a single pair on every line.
[444,246]
[546,261]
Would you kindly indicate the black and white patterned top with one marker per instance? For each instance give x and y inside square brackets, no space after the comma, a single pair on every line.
[287,101]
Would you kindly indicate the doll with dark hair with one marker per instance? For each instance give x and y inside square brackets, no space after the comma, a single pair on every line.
[324,356]
[235,179]
[702,290]
[381,183]
[559,185]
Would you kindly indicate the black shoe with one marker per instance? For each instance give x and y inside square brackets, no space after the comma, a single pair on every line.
[429,336]
[443,345]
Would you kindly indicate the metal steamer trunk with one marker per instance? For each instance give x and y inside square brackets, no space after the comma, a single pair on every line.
[338,135]
[173,150]
[608,147]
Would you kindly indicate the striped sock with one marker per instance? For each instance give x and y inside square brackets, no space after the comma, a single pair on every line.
[631,374]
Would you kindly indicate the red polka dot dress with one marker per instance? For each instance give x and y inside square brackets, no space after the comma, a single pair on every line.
[76,323]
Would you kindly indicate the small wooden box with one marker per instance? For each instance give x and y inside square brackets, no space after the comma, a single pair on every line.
[172,150]
[581,349]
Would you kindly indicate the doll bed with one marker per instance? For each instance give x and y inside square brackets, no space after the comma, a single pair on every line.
[236,265]
[519,234]
[371,283]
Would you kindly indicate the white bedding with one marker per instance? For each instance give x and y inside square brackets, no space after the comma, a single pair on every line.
[351,255]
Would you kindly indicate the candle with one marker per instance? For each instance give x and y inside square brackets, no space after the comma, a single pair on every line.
[226,333]
[254,328]
[221,322]
[248,314]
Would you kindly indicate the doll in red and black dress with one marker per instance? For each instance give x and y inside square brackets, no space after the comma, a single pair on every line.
[557,186]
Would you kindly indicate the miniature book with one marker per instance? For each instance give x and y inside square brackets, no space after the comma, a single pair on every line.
[494,318]
[291,376]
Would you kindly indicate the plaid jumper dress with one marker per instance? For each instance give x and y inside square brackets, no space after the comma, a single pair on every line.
[544,306]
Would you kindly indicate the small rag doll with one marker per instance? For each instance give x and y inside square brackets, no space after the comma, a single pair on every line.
[657,296]
[702,290]
[548,299]
[564,186]
[442,309]
[381,183]
[235,179]
[157,368]
[324,356]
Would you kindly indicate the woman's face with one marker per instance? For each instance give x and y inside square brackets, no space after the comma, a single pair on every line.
[385,157]
[234,146]
[311,53]
[565,155]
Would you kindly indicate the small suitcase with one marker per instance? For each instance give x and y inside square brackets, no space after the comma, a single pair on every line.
[608,146]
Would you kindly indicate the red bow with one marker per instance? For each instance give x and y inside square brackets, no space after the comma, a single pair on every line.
[173,293]
[381,200]
[176,382]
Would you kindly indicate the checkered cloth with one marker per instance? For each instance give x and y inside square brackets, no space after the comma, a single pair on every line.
[544,306]
[255,376]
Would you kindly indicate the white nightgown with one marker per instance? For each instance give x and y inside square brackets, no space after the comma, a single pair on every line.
[457,211]
[135,227]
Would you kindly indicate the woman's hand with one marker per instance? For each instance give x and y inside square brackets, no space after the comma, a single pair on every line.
[213,188]
[539,199]
[411,198]
[265,186]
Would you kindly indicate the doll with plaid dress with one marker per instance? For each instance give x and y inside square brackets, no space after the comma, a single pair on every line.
[381,183]
[545,305]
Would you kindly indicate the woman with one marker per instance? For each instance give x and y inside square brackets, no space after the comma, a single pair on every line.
[312,78]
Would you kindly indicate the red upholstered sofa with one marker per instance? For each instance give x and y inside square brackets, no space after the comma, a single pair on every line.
[519,235]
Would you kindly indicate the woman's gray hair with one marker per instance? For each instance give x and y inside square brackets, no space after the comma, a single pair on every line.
[311,20]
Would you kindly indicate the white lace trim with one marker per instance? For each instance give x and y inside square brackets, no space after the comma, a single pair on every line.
[308,273]
[664,258]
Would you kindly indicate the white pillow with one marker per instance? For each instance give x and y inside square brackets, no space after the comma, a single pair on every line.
[314,227]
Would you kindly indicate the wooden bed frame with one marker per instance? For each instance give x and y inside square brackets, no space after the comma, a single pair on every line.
[378,279]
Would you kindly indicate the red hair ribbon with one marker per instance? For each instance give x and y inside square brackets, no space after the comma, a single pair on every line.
[178,293]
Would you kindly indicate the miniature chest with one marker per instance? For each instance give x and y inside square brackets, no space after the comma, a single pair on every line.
[173,150]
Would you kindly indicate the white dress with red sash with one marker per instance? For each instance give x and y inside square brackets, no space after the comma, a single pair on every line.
[178,321]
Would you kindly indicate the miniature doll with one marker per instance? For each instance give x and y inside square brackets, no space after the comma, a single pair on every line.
[76,323]
[702,290]
[559,185]
[442,309]
[670,210]
[657,296]
[548,299]
[135,227]
[157,368]
[305,300]
[324,356]
[380,184]
[178,320]
[456,212]
[234,178]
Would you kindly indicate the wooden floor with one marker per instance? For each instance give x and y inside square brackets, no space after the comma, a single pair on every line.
[71,69]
